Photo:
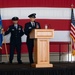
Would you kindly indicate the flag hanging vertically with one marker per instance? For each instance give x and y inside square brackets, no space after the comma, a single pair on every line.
[1,35]
[72,32]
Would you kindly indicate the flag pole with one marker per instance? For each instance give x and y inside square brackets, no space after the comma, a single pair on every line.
[71,49]
[6,49]
[5,43]
[71,39]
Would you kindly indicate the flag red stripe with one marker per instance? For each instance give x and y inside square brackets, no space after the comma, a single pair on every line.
[36,3]
[54,24]
[72,26]
[72,35]
[72,29]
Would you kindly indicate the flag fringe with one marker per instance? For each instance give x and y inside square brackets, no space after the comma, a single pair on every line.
[73,51]
[72,37]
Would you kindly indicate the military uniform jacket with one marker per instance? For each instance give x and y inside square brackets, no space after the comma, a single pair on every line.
[16,34]
[28,28]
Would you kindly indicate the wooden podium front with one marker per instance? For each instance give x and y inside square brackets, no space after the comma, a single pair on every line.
[41,47]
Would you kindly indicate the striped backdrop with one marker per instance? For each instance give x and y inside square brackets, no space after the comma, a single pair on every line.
[55,13]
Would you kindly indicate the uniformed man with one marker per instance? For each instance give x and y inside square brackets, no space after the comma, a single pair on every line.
[28,28]
[15,39]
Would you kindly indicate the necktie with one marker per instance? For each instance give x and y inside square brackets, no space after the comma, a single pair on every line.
[16,26]
[33,24]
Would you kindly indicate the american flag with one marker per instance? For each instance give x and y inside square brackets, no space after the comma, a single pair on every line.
[72,32]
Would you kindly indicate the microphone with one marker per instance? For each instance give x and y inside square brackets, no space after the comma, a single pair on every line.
[48,26]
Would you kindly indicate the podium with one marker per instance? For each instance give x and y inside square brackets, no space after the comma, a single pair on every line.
[41,47]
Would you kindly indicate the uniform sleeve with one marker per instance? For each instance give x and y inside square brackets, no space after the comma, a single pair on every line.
[26,29]
[8,31]
[22,32]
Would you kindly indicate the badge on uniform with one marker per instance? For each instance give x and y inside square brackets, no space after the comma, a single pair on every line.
[19,29]
[12,29]
[30,27]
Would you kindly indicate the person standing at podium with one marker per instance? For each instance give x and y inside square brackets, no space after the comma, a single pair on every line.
[28,28]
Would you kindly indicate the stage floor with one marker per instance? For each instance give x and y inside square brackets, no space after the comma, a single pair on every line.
[59,68]
[27,65]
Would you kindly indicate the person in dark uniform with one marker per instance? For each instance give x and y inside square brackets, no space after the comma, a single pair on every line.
[28,28]
[15,39]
